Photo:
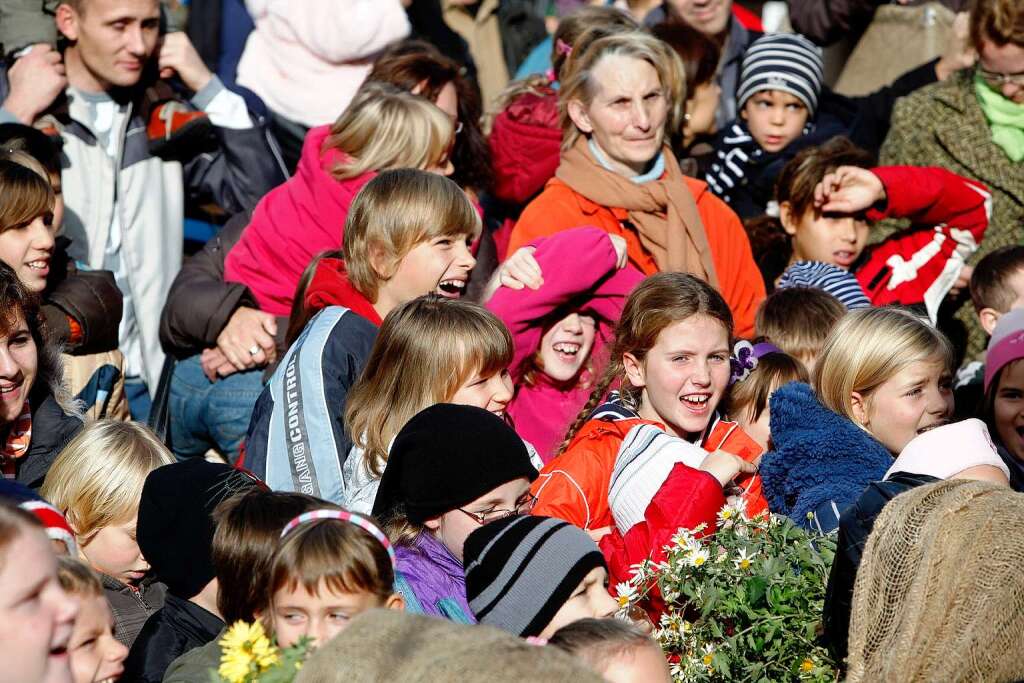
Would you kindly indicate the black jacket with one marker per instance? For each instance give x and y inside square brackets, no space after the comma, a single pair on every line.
[200,302]
[855,526]
[179,626]
[52,428]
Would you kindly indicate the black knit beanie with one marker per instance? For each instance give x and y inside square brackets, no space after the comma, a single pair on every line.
[447,456]
[175,529]
[521,570]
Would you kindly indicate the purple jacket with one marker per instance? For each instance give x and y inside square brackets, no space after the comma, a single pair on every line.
[432,581]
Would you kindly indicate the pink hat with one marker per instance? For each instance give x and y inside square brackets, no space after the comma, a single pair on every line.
[1006,345]
[946,451]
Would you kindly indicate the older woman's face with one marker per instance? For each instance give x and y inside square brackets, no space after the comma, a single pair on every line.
[18,368]
[626,118]
[996,62]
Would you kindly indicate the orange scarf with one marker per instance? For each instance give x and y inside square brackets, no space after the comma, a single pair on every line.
[663,211]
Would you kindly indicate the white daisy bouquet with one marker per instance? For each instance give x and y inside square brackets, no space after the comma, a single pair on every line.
[741,604]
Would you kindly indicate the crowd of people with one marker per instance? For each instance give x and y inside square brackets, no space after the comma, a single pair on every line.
[334,333]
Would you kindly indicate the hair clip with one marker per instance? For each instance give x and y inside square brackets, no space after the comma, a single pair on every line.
[742,362]
[344,516]
[563,47]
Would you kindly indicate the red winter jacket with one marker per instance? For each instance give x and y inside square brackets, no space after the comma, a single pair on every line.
[525,146]
[949,215]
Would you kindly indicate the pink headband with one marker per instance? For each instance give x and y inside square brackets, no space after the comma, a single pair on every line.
[563,47]
[344,516]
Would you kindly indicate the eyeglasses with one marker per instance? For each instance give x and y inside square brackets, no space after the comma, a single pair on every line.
[998,80]
[481,518]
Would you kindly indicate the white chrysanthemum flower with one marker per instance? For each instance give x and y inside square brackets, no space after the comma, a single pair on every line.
[743,560]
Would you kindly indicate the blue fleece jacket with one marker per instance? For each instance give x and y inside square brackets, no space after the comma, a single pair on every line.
[821,461]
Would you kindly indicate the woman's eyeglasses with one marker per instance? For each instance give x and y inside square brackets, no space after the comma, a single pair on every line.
[998,80]
[481,518]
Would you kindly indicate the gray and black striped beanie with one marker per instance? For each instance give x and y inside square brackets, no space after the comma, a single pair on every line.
[782,61]
[521,570]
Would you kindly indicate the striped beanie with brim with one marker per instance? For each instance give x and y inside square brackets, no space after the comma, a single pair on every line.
[782,61]
[521,570]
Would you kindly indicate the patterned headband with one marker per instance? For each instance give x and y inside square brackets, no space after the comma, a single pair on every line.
[344,516]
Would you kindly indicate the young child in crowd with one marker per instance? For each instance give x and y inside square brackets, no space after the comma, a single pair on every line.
[997,286]
[175,534]
[671,360]
[96,655]
[829,195]
[429,350]
[882,378]
[798,320]
[97,481]
[451,470]
[1004,392]
[532,575]
[763,369]
[35,613]
[614,648]
[560,319]
[248,532]
[330,566]
[407,234]
[383,128]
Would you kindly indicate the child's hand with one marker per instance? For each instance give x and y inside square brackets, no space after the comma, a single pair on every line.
[725,466]
[848,189]
[521,270]
[621,251]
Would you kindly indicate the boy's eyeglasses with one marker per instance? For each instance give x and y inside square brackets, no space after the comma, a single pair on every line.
[481,518]
[997,80]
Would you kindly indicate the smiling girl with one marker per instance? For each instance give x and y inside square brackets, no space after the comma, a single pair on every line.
[882,378]
[1004,392]
[671,362]
[430,350]
[560,318]
[97,482]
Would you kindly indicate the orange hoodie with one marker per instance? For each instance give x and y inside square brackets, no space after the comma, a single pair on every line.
[559,207]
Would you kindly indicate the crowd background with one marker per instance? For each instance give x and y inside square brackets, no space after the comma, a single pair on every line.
[472,322]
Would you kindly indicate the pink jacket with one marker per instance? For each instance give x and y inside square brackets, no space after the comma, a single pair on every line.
[579,273]
[293,223]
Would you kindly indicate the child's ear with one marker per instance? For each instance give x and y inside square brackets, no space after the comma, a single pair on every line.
[859,405]
[786,217]
[395,601]
[580,117]
[634,370]
[381,260]
[989,317]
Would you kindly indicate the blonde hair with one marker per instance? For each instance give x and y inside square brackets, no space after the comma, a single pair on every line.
[77,579]
[659,301]
[97,479]
[578,80]
[425,351]
[386,127]
[396,211]
[868,347]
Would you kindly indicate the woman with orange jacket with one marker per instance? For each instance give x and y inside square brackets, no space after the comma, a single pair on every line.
[616,172]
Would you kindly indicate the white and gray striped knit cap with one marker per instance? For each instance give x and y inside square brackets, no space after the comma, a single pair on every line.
[782,61]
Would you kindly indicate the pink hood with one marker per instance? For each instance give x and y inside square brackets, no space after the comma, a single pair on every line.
[292,224]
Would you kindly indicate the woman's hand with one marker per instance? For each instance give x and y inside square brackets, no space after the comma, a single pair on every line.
[848,189]
[518,271]
[621,251]
[725,466]
[247,341]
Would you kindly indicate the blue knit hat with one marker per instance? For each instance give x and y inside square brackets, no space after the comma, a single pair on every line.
[782,61]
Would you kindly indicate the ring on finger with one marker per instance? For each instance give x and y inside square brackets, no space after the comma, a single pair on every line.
[254,350]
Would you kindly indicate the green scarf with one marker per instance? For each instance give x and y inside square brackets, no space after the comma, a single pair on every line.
[1005,118]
